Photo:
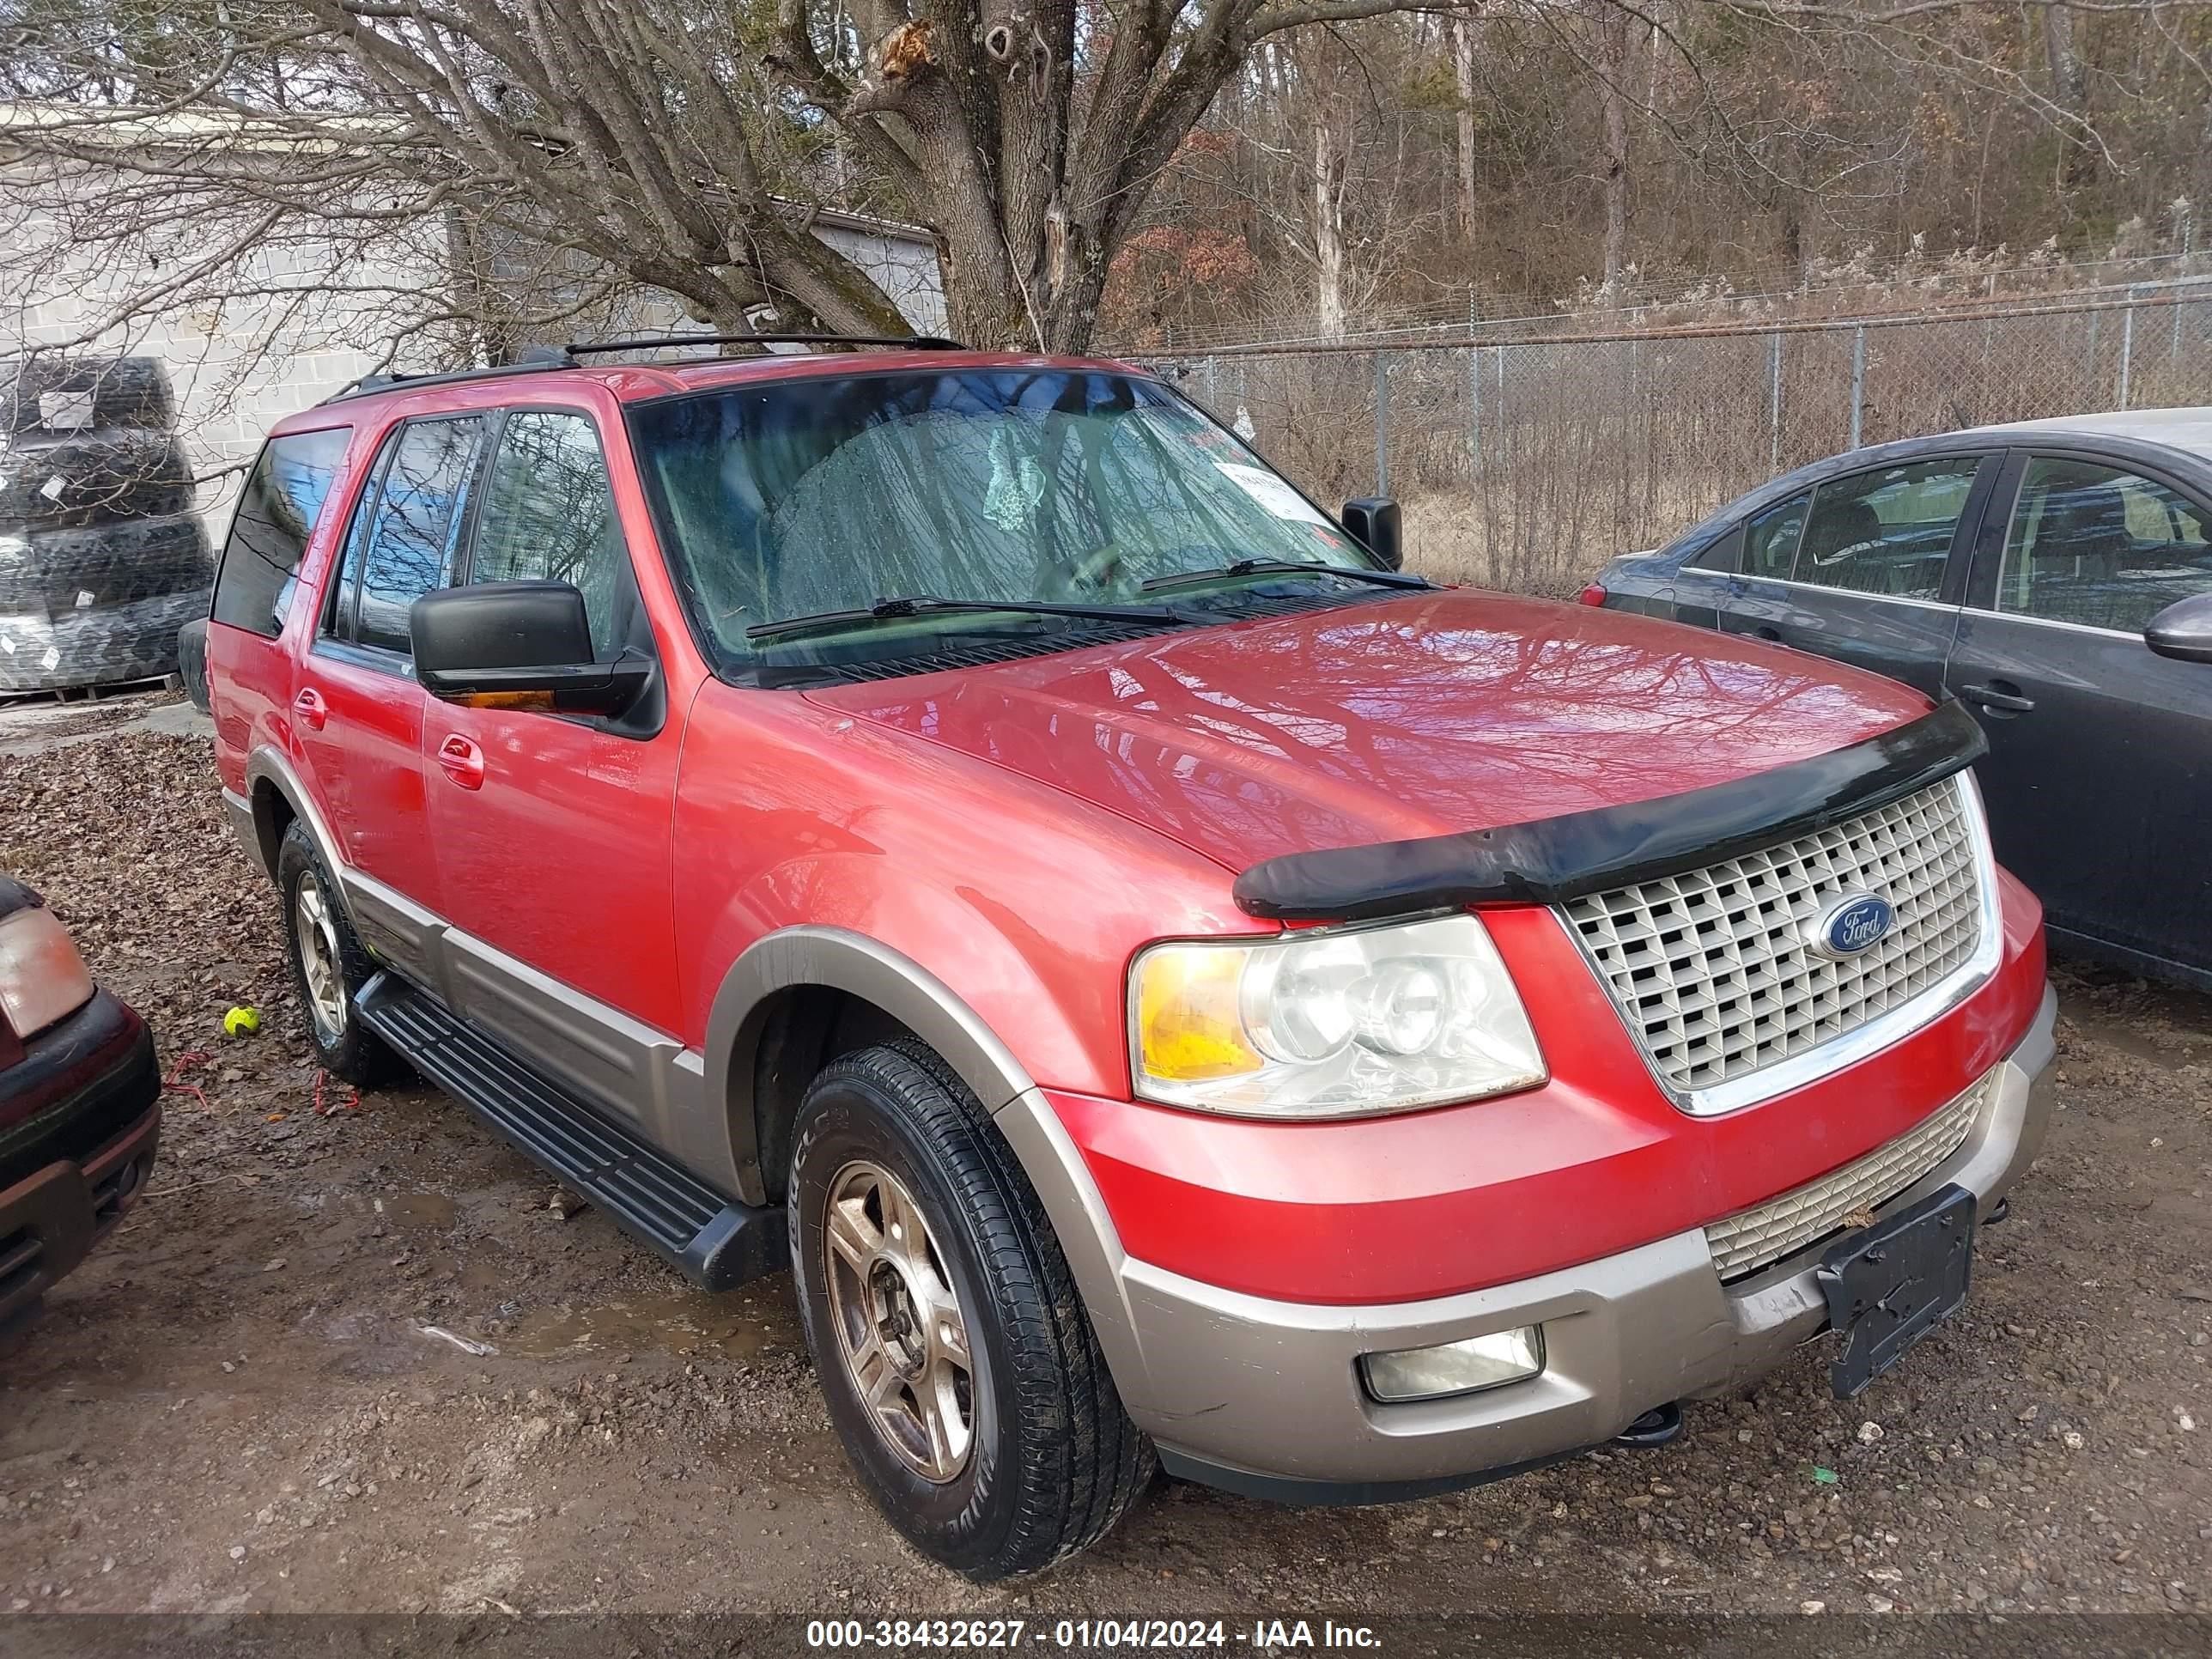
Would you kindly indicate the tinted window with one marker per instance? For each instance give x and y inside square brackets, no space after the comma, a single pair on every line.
[407,549]
[268,533]
[1769,543]
[1720,554]
[549,514]
[1886,531]
[2095,545]
[339,602]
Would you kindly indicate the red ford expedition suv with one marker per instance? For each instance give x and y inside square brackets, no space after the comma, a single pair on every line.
[1171,985]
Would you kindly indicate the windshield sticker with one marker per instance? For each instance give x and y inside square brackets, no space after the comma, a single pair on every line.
[1271,493]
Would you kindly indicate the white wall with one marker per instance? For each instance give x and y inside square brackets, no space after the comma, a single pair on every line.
[238,367]
[904,267]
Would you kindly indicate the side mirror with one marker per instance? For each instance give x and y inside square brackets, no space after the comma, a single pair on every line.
[518,645]
[1373,522]
[2183,630]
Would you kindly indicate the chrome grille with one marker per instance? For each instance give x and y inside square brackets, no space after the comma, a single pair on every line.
[1711,967]
[1745,1242]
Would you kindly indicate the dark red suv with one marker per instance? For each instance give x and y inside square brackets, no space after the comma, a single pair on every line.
[1170,985]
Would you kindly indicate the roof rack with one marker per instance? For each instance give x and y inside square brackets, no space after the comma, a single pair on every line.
[536,359]
[877,342]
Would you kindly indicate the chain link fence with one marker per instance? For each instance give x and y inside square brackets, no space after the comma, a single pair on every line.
[1528,463]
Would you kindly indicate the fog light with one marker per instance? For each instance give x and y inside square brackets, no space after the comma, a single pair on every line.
[1480,1362]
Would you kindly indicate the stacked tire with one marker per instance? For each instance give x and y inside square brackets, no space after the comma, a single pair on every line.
[102,559]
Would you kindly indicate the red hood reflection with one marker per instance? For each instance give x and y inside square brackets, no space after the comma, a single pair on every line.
[1413,715]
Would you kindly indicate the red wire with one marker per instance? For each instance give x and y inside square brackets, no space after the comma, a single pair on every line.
[351,1101]
[185,1061]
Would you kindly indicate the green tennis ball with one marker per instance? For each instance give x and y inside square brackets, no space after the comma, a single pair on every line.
[242,1022]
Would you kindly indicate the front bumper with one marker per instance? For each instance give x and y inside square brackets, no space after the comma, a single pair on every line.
[72,1168]
[1264,1397]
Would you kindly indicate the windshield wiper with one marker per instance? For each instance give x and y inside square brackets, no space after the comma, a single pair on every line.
[1282,568]
[891,609]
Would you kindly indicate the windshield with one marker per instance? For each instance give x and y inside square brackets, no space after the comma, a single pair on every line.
[798,497]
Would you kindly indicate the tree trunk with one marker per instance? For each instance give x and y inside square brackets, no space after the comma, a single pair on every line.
[1329,237]
[2200,188]
[1463,64]
[1612,67]
[2069,91]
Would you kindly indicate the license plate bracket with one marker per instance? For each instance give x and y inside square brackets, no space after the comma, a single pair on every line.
[1890,1285]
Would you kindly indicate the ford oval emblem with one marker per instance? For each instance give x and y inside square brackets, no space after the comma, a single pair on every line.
[1850,926]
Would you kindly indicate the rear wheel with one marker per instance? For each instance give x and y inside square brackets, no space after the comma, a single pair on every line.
[958,1366]
[328,966]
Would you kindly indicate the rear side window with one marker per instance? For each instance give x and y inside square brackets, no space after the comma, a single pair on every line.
[401,543]
[1719,554]
[268,533]
[1769,542]
[1888,533]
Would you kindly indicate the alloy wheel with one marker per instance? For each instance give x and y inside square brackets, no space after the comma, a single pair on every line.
[901,1330]
[318,934]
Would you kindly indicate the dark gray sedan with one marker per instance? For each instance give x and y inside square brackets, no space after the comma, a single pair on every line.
[2055,577]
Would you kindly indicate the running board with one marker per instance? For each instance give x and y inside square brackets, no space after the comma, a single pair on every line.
[716,1242]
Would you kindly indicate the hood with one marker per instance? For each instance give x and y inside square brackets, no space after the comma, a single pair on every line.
[1420,714]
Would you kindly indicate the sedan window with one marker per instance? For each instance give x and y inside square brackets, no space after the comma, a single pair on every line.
[1888,532]
[2100,547]
[1770,544]
[1720,554]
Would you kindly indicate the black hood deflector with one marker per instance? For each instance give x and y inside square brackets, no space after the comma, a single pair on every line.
[1555,859]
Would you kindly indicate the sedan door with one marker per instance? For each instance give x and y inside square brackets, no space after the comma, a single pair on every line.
[1862,569]
[2101,751]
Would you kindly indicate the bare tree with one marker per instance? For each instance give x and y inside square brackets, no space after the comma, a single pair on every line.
[687,148]
[1462,35]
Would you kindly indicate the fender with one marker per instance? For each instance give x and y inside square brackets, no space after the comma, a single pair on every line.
[839,959]
[268,764]
[395,928]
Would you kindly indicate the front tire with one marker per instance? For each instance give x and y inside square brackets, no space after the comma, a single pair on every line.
[961,1373]
[329,965]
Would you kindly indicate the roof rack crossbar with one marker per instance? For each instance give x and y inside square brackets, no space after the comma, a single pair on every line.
[657,342]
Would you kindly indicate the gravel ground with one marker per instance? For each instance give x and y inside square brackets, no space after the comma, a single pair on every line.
[235,1406]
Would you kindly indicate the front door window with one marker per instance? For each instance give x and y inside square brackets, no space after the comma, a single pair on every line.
[2100,547]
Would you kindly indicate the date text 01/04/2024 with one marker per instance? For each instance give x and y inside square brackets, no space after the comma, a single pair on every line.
[1086,1633]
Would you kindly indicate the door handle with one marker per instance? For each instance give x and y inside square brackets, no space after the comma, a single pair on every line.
[1998,697]
[463,761]
[311,708]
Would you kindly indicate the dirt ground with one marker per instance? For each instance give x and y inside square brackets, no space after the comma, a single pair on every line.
[239,1404]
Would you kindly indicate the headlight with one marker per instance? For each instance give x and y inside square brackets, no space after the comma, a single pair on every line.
[41,976]
[1341,1022]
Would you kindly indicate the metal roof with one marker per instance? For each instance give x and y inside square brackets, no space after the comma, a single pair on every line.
[2189,429]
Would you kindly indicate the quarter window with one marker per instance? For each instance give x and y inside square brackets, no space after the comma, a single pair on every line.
[1888,532]
[1770,544]
[402,547]
[549,514]
[2098,546]
[1720,554]
[270,531]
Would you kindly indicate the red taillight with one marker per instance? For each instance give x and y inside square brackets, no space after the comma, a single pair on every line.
[1593,594]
